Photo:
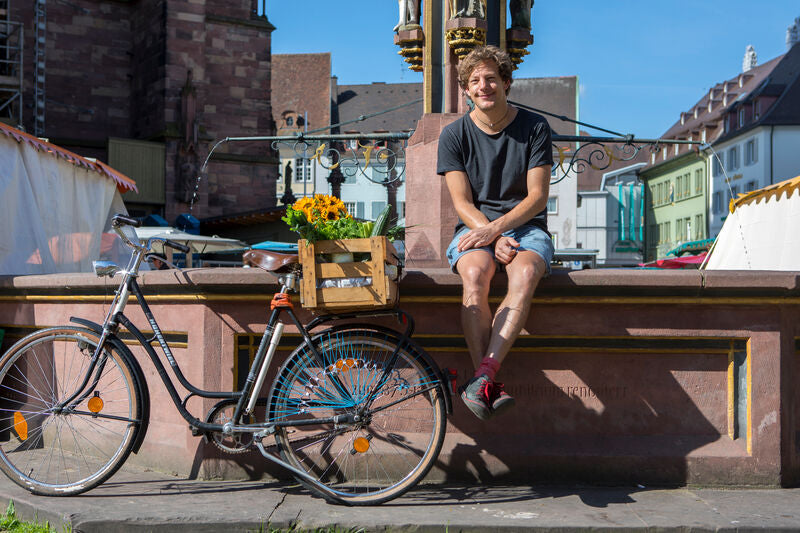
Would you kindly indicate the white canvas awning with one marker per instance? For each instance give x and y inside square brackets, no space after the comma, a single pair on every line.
[55,206]
[761,233]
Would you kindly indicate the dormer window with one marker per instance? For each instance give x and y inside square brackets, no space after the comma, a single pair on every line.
[683,117]
[695,112]
[703,136]
[290,121]
[756,109]
[741,117]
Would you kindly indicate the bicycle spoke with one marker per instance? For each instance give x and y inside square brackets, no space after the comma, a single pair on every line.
[64,451]
[364,462]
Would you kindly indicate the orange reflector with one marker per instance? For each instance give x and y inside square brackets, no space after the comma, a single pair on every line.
[361,445]
[345,364]
[95,404]
[20,426]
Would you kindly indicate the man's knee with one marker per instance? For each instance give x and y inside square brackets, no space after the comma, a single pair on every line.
[526,274]
[476,276]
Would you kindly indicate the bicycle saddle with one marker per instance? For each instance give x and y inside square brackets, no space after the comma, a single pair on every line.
[269,261]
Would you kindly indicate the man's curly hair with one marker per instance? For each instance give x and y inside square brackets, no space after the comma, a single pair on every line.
[485,53]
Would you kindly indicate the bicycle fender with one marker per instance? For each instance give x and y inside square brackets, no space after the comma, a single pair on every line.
[138,375]
[425,356]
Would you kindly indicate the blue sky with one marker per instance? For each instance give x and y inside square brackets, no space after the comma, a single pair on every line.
[639,64]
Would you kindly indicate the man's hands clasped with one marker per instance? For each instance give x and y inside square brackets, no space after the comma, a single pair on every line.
[505,248]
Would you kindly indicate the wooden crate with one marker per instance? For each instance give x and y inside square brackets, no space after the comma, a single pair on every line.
[382,293]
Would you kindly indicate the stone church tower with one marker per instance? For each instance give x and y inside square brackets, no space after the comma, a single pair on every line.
[147,86]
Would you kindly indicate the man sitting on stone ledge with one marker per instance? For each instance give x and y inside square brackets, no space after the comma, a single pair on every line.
[496,162]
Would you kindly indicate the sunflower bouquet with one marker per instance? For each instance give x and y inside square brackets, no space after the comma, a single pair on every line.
[324,217]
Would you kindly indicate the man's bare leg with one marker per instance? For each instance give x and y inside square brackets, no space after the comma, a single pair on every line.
[524,274]
[476,270]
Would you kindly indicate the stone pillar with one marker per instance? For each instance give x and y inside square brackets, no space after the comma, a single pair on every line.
[430,215]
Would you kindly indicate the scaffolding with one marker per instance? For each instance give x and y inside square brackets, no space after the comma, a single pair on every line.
[11,71]
[40,45]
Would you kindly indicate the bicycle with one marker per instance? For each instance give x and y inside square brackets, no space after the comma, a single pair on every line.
[357,411]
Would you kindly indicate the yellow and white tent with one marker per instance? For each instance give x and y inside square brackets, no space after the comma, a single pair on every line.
[762,232]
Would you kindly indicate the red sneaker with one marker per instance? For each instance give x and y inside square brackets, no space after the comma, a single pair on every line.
[499,398]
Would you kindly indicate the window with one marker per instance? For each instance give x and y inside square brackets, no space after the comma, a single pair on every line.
[555,239]
[751,152]
[703,136]
[360,210]
[751,186]
[717,165]
[377,209]
[401,210]
[756,109]
[351,208]
[699,227]
[733,158]
[687,180]
[698,181]
[552,205]
[667,231]
[741,117]
[302,170]
[290,121]
[717,202]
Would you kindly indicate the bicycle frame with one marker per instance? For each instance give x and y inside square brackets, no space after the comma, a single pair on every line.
[246,398]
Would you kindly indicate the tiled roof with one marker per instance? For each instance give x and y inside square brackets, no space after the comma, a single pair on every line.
[124,183]
[721,97]
[353,101]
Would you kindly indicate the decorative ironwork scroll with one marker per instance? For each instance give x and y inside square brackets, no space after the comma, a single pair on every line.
[599,153]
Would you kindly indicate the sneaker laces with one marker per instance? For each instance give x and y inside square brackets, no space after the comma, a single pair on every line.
[495,390]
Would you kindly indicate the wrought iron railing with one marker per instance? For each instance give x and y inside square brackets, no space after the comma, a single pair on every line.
[354,153]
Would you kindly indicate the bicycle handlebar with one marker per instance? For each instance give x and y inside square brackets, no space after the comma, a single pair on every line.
[177,246]
[122,219]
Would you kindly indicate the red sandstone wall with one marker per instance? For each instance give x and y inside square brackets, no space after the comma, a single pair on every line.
[620,376]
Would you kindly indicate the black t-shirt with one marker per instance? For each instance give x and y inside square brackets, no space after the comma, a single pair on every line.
[497,164]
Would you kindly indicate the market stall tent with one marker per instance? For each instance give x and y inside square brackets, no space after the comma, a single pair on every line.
[54,205]
[761,232]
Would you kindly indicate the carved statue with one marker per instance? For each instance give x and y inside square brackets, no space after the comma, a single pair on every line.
[409,14]
[288,197]
[468,9]
[521,13]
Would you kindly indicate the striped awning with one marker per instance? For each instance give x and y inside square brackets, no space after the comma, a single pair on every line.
[766,193]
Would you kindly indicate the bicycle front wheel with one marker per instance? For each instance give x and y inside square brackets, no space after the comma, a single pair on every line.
[396,414]
[52,448]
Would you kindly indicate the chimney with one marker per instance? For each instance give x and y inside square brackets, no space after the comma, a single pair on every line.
[792,34]
[750,58]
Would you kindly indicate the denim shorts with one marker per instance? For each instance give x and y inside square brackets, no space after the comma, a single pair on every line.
[529,237]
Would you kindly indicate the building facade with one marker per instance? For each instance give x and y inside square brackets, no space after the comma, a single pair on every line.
[758,145]
[611,218]
[675,203]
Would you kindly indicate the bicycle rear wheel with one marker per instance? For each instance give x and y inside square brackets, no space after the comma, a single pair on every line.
[398,435]
[52,449]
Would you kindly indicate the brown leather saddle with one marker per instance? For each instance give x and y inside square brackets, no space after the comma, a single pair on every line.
[270,261]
